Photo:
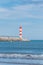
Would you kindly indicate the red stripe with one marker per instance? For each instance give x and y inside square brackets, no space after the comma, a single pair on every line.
[20,34]
[20,31]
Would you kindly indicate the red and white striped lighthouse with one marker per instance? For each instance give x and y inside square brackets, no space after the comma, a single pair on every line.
[20,32]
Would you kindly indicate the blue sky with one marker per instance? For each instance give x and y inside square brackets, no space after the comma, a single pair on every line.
[28,13]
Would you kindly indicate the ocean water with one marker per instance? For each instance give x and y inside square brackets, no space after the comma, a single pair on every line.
[21,53]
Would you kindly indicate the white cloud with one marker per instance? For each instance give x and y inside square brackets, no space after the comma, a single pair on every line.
[26,11]
[4,13]
[15,12]
[36,16]
[23,11]
[3,10]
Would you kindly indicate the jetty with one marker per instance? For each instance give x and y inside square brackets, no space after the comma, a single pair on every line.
[14,38]
[11,38]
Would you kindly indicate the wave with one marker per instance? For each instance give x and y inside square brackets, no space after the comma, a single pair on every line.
[24,63]
[26,56]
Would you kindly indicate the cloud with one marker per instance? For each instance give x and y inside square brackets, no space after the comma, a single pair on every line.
[35,16]
[3,10]
[14,12]
[27,10]
[4,13]
[20,12]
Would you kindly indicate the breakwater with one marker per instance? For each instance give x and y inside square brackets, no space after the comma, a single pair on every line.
[9,38]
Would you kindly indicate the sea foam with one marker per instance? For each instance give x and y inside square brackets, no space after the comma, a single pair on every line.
[26,56]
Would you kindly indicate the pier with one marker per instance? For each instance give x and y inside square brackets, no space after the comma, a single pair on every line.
[14,38]
[9,38]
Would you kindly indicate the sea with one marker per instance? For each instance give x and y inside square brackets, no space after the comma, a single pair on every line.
[21,52]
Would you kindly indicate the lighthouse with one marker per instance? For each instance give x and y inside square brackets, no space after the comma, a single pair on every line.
[20,32]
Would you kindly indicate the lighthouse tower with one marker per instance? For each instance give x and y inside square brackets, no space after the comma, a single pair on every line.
[20,32]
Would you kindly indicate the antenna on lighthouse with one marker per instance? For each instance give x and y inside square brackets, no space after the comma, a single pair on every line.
[20,32]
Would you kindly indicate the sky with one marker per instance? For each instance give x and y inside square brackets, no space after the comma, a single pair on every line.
[25,13]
